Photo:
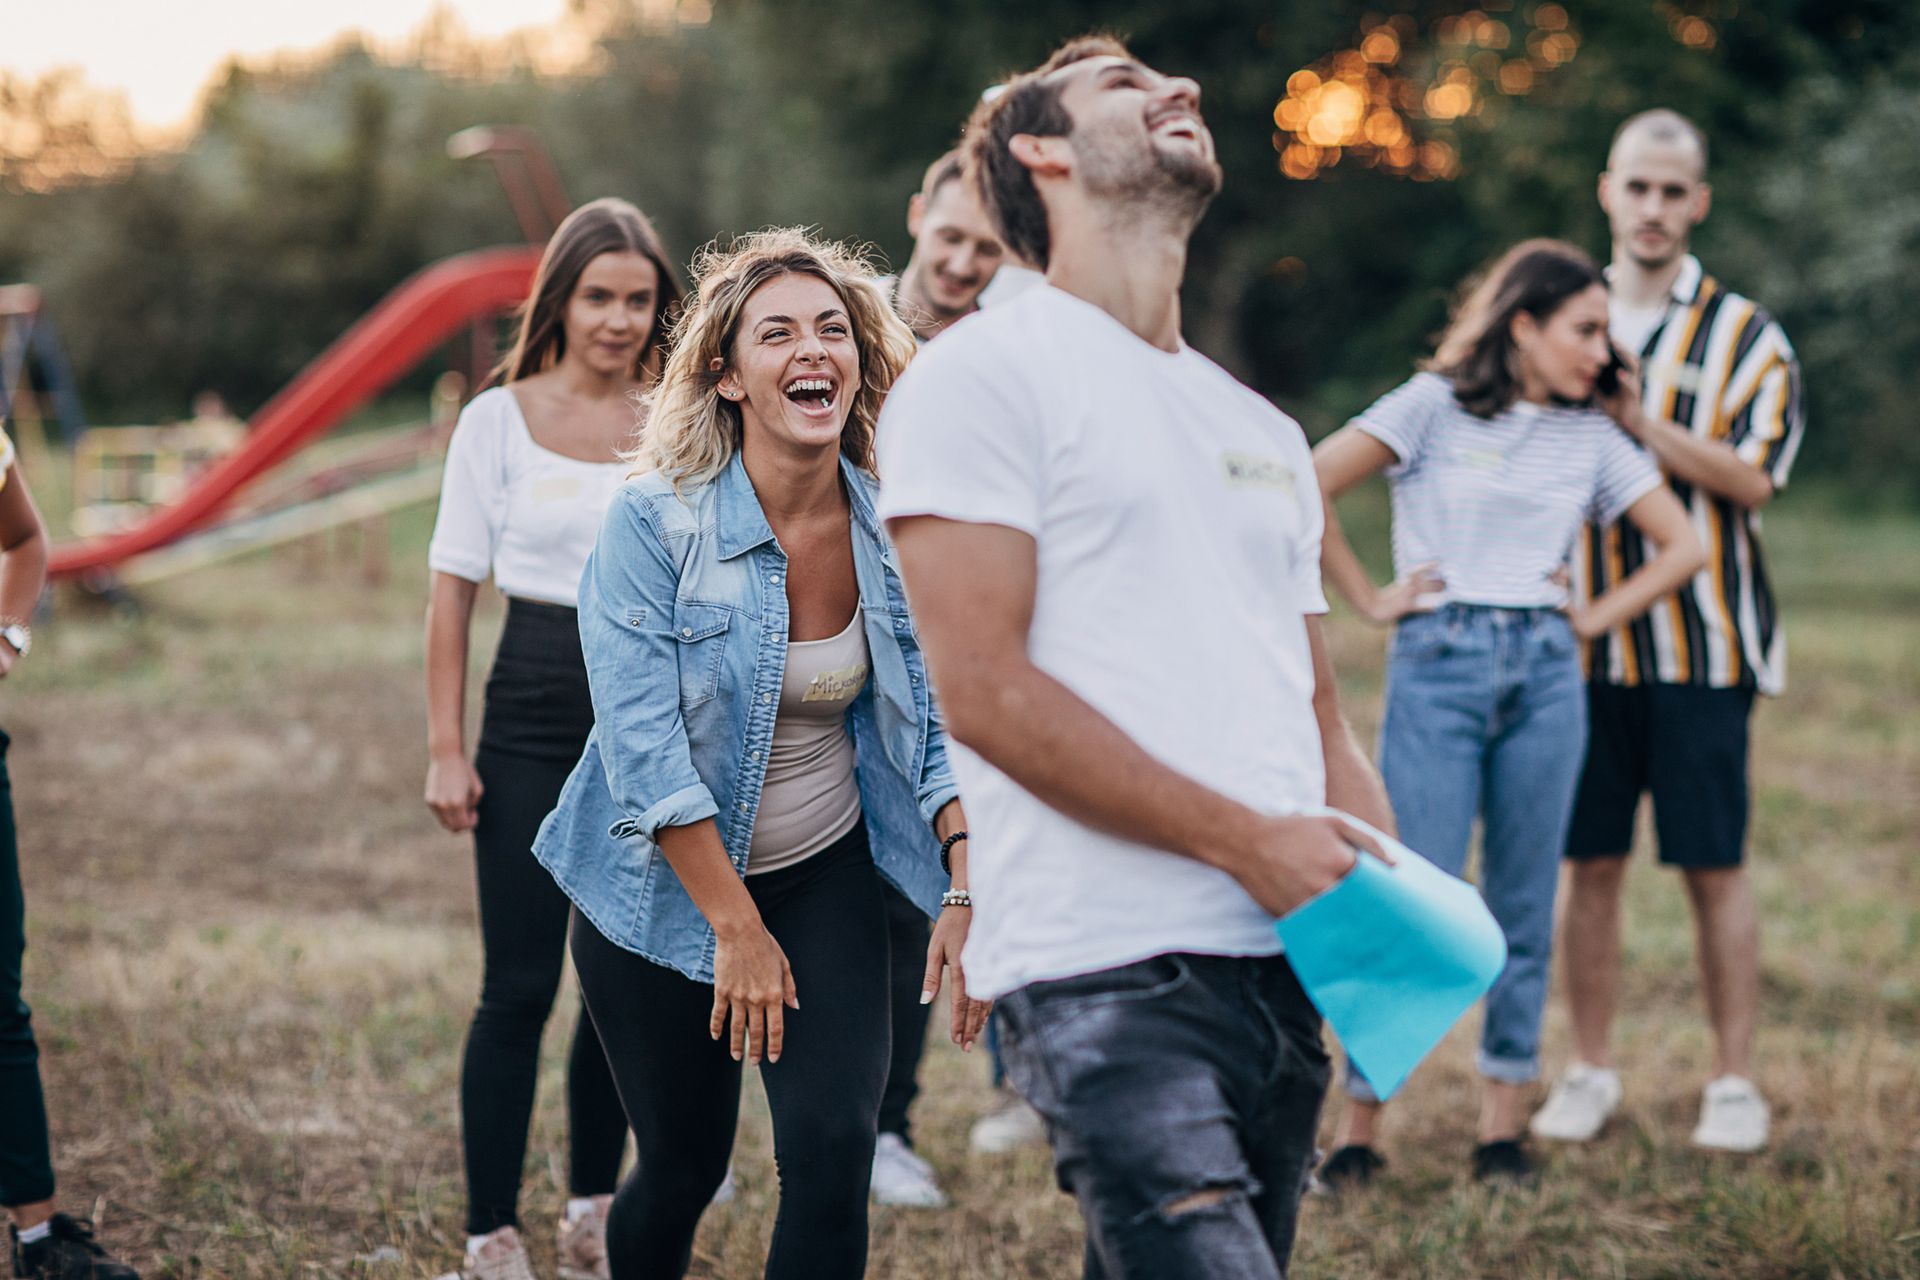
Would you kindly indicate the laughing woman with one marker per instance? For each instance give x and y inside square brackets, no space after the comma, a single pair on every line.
[765,750]
[1496,456]
[530,469]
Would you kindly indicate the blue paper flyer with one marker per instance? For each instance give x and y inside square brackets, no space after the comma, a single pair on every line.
[1392,956]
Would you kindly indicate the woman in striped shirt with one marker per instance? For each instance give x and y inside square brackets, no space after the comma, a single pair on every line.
[1496,458]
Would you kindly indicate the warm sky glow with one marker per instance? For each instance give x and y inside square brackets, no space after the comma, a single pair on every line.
[160,55]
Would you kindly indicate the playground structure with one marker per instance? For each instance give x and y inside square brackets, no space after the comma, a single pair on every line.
[175,505]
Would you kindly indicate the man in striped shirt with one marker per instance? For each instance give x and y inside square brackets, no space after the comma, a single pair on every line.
[1670,695]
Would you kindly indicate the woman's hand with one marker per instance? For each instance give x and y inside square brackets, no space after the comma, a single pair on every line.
[453,792]
[1623,406]
[1581,618]
[1405,595]
[751,982]
[949,936]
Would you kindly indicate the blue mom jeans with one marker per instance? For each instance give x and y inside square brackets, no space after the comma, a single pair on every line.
[1487,716]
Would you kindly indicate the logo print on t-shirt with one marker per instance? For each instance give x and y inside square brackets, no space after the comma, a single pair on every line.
[1252,471]
[836,686]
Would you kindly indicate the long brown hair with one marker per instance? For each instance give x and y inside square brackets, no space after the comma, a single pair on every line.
[692,430]
[1476,353]
[599,226]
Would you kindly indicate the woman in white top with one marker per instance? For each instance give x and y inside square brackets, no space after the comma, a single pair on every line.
[531,468]
[1496,457]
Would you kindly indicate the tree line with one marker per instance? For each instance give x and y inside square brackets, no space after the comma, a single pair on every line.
[306,191]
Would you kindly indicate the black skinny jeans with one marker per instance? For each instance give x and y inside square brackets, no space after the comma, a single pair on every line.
[26,1167]
[682,1088]
[908,934]
[538,715]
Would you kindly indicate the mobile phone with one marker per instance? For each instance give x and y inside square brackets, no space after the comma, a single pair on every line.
[1607,383]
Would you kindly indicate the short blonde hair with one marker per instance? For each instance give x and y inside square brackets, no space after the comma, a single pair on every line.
[692,431]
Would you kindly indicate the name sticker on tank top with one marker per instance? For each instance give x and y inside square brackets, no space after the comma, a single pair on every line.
[834,686]
[1252,471]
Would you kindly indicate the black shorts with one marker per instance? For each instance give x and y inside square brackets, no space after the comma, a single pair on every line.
[1687,744]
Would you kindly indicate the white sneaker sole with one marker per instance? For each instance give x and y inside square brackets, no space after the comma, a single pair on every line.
[1551,1134]
[1739,1146]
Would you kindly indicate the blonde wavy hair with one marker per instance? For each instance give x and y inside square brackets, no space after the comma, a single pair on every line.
[691,430]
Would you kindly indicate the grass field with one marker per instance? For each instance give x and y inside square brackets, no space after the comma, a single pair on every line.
[253,956]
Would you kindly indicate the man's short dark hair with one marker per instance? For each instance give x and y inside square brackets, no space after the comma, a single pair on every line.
[1028,103]
[942,171]
[1661,124]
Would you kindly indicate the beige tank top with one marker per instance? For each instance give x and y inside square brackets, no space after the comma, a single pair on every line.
[810,798]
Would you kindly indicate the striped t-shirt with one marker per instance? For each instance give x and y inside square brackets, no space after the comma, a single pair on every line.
[1496,502]
[1719,366]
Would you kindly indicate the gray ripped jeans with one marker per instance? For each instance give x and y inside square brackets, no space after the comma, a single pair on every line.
[1181,1094]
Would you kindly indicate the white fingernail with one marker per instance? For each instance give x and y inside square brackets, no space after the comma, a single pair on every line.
[926,997]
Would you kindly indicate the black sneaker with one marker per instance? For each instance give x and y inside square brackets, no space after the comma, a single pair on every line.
[67,1253]
[1350,1168]
[1504,1163]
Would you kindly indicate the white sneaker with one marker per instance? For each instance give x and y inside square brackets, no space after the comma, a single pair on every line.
[581,1252]
[1014,1124]
[1579,1105]
[1733,1116]
[902,1178]
[498,1255]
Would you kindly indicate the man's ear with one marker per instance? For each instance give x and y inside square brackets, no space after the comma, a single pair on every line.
[1050,156]
[916,214]
[1702,203]
[1601,191]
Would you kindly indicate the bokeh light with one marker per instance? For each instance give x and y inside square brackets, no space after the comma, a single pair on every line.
[1393,100]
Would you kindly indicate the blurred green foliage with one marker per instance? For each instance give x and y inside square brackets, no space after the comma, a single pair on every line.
[307,193]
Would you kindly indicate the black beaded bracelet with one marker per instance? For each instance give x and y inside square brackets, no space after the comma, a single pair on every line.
[946,848]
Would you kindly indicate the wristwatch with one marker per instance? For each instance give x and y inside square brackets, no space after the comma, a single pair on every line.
[19,635]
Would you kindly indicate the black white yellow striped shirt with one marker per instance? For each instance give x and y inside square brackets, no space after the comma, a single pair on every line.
[1719,366]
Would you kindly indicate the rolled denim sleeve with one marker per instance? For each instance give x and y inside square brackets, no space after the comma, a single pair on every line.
[626,615]
[935,784]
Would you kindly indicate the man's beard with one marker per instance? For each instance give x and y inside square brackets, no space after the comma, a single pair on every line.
[1656,261]
[1176,185]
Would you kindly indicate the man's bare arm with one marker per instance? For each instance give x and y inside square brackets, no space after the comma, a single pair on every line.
[1713,465]
[972,589]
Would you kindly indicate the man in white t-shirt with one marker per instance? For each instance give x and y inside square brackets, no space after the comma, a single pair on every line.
[1113,552]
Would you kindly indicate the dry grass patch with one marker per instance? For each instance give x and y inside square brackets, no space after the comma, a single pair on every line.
[254,956]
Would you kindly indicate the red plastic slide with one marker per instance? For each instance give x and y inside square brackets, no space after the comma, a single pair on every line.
[423,312]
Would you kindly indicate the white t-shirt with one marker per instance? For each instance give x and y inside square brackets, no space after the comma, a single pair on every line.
[1178,527]
[1630,327]
[1009,282]
[1497,502]
[510,508]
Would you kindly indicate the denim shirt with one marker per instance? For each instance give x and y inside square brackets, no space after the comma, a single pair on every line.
[683,623]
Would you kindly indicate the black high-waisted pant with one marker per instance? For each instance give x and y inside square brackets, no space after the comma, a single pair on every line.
[682,1087]
[26,1168]
[538,715]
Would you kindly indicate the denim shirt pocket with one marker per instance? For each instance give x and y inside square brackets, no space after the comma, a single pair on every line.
[701,630]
